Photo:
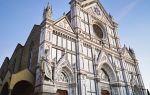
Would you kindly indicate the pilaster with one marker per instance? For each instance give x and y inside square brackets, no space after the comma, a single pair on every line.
[140,80]
[44,84]
[75,22]
[97,80]
[124,76]
[117,36]
[78,68]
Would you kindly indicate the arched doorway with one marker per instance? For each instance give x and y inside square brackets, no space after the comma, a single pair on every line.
[23,88]
[5,90]
[105,83]
[64,80]
[63,83]
[107,77]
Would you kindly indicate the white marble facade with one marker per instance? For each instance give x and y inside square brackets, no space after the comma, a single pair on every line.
[83,55]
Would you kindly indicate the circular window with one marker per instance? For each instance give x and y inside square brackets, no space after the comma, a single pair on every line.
[98,31]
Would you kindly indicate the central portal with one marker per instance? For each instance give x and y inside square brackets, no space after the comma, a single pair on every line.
[105,92]
[62,92]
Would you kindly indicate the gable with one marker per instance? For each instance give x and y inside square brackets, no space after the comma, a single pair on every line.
[103,58]
[126,54]
[64,23]
[97,10]
[63,63]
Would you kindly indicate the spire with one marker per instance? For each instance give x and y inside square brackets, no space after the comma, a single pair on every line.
[131,50]
[47,14]
[75,1]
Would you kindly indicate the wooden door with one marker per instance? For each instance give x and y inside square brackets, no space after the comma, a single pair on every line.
[62,92]
[105,92]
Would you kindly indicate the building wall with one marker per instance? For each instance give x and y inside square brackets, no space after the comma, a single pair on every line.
[80,54]
[31,46]
[19,62]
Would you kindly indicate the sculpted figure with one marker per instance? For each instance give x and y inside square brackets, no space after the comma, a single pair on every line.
[46,67]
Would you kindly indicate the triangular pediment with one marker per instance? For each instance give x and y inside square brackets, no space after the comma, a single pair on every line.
[103,58]
[97,10]
[64,62]
[104,62]
[64,23]
[126,53]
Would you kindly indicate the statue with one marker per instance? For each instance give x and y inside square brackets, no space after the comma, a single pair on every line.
[46,67]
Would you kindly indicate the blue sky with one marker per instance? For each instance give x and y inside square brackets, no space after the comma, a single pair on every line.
[17,18]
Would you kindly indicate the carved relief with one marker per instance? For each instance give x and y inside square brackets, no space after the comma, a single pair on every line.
[63,71]
[104,59]
[97,10]
[103,76]
[44,65]
[104,64]
[63,77]
[46,68]
[126,54]
[63,23]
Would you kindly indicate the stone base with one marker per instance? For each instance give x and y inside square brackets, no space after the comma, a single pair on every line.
[45,89]
[45,93]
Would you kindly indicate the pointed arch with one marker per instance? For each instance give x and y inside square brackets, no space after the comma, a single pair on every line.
[64,67]
[64,76]
[104,76]
[109,71]
[67,74]
[105,64]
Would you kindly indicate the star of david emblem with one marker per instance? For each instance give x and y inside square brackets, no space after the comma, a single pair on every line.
[97,11]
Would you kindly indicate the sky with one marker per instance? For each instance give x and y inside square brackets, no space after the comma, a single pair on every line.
[17,18]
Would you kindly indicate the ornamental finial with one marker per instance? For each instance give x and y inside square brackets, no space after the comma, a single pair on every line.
[47,14]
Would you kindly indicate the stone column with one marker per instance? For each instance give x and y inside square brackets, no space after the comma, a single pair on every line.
[95,73]
[124,76]
[78,68]
[117,36]
[98,86]
[45,84]
[140,80]
[75,21]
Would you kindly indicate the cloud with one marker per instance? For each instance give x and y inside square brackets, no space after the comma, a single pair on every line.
[127,9]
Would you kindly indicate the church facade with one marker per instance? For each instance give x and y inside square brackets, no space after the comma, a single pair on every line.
[79,54]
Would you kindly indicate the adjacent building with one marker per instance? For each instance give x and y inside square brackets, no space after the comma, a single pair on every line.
[79,54]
